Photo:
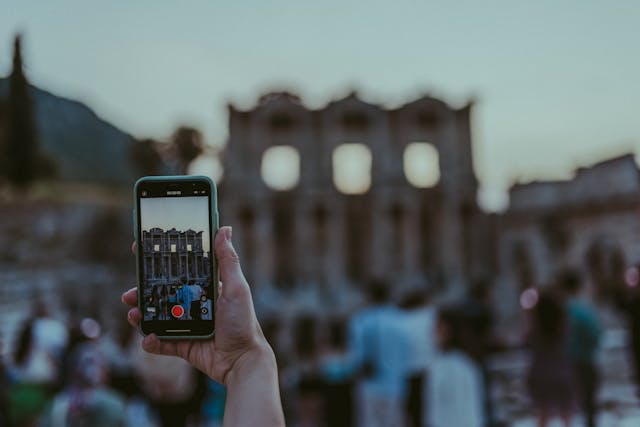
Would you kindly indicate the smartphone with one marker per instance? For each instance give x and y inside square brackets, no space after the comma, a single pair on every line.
[175,223]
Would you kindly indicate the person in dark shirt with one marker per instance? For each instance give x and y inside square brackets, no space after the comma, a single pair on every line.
[550,378]
[627,300]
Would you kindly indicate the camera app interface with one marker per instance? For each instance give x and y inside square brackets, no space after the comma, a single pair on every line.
[176,258]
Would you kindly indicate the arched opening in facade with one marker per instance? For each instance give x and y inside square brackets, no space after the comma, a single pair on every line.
[352,168]
[280,167]
[421,164]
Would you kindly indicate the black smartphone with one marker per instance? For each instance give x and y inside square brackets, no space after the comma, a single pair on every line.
[175,222]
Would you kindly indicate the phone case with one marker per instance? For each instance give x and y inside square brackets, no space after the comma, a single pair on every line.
[214,224]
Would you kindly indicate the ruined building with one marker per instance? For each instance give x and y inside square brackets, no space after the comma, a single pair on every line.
[369,191]
[172,254]
[589,223]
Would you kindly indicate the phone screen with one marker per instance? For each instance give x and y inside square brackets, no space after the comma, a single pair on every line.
[175,258]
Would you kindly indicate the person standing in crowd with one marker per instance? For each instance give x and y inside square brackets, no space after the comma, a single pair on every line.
[627,300]
[26,398]
[153,301]
[170,386]
[117,350]
[337,376]
[583,340]
[213,405]
[305,375]
[379,345]
[478,315]
[184,297]
[86,401]
[36,371]
[206,311]
[172,298]
[4,387]
[162,302]
[420,321]
[455,395]
[550,378]
[196,293]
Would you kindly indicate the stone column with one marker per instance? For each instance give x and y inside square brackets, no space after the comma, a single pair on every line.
[379,241]
[265,248]
[414,239]
[334,259]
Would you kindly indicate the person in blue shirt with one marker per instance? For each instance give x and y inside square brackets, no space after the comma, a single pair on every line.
[173,296]
[185,297]
[583,339]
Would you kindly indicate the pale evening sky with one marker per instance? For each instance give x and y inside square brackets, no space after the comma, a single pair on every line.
[557,84]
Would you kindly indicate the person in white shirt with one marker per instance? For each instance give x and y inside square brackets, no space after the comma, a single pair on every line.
[455,389]
[48,339]
[379,344]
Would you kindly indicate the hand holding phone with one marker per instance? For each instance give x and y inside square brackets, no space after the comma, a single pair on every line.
[239,357]
[237,332]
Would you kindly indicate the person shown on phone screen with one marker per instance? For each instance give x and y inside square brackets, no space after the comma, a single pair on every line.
[196,293]
[239,356]
[184,297]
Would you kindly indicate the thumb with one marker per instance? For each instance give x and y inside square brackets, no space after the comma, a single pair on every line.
[228,262]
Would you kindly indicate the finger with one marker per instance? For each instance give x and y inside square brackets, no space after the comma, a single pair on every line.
[228,263]
[130,297]
[152,344]
[134,245]
[134,316]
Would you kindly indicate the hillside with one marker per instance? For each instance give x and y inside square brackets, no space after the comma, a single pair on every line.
[84,147]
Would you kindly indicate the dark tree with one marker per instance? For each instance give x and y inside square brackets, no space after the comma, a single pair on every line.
[145,157]
[21,157]
[187,144]
[3,133]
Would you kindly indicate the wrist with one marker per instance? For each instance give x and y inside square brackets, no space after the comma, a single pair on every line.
[259,361]
[253,383]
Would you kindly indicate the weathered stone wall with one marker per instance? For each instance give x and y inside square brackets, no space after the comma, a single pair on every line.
[590,223]
[313,236]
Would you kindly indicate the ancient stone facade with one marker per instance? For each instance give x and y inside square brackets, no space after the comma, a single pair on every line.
[171,255]
[591,223]
[313,235]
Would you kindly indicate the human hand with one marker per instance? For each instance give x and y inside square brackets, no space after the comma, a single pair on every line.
[238,338]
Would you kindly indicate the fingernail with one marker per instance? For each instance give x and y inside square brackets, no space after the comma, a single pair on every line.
[228,232]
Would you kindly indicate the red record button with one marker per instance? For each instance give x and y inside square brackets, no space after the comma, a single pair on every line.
[177,311]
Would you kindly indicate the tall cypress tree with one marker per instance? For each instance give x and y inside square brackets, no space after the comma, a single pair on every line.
[21,145]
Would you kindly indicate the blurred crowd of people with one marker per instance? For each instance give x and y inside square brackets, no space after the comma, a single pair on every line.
[397,362]
[412,361]
[76,374]
[193,298]
[400,360]
[563,337]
